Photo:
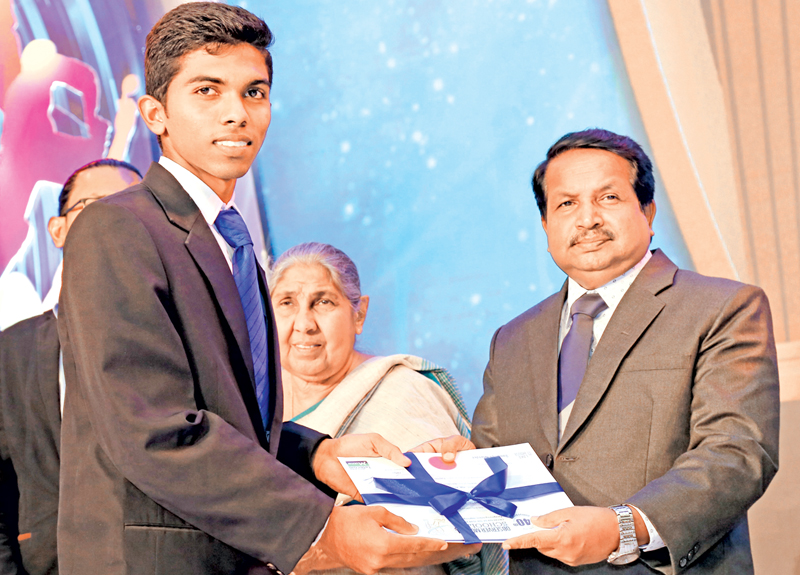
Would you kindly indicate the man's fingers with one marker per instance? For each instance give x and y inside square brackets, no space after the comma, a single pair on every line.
[345,485]
[541,539]
[368,539]
[454,444]
[549,520]
[389,450]
[407,545]
[447,446]
[427,447]
[526,541]
[452,552]
[394,522]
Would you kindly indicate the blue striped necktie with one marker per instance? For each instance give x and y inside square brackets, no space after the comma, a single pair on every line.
[245,273]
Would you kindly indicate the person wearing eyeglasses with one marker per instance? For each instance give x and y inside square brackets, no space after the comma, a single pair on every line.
[32,393]
[86,185]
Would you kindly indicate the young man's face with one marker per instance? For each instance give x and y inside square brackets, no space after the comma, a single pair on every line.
[216,115]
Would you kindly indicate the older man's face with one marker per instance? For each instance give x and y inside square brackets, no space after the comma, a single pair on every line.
[91,184]
[596,230]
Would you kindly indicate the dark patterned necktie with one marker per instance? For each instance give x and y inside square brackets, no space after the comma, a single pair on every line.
[576,346]
[245,273]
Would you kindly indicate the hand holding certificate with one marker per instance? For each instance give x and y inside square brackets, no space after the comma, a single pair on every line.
[486,495]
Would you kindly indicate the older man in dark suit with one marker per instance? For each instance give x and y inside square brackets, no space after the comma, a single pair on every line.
[643,387]
[31,386]
[175,458]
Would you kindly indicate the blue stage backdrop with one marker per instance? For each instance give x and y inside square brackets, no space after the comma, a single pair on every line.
[405,133]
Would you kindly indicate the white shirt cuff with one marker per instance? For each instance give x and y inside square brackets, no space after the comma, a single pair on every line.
[326,525]
[655,539]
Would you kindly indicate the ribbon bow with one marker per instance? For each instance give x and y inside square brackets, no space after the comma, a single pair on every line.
[491,493]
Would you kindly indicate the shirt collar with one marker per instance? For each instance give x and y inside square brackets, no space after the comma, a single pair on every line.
[207,201]
[611,292]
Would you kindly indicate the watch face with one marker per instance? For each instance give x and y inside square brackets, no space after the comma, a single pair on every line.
[624,559]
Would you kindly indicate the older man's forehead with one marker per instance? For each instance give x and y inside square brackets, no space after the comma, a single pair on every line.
[101,181]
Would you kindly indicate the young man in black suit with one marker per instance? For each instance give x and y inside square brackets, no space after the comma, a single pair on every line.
[174,456]
[31,386]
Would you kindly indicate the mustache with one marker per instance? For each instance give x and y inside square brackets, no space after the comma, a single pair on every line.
[599,233]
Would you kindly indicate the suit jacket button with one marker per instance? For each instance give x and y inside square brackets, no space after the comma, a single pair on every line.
[682,563]
[690,554]
[548,461]
[696,547]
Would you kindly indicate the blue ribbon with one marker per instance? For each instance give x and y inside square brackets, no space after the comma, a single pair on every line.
[491,493]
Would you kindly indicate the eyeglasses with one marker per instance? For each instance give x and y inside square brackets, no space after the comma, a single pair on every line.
[82,203]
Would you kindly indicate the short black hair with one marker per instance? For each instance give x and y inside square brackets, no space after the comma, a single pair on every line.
[193,26]
[595,138]
[63,198]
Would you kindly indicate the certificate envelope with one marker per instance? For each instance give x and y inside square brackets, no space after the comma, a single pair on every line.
[524,468]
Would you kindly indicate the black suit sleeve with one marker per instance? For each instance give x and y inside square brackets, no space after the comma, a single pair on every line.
[296,450]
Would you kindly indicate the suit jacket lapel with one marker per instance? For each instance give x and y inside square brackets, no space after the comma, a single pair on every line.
[204,249]
[544,359]
[276,405]
[637,310]
[47,353]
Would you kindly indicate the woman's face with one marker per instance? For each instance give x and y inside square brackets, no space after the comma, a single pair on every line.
[317,326]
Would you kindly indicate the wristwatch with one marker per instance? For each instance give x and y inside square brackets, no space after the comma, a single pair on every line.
[628,550]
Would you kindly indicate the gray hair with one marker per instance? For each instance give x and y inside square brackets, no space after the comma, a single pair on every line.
[341,268]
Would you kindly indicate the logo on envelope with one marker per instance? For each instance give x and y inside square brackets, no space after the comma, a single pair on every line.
[358,464]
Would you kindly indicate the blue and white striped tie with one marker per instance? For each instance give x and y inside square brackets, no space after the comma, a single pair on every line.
[245,273]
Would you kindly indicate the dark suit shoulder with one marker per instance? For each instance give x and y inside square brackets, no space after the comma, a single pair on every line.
[125,220]
[135,199]
[694,280]
[541,311]
[703,293]
[101,224]
[26,328]
[158,199]
[661,276]
[143,194]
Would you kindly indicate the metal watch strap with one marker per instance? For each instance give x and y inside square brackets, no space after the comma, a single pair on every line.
[628,550]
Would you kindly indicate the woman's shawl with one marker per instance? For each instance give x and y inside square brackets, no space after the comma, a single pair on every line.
[408,400]
[402,397]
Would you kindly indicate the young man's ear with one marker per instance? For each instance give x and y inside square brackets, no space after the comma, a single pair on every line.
[57,227]
[153,114]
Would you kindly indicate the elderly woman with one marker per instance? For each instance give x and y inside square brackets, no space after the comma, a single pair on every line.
[329,385]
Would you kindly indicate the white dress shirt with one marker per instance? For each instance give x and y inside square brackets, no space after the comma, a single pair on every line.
[207,201]
[612,294]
